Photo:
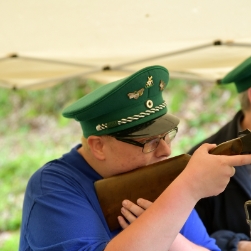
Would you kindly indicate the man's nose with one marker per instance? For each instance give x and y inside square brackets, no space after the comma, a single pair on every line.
[163,149]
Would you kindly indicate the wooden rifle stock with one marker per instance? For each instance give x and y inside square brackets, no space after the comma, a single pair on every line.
[147,182]
[150,181]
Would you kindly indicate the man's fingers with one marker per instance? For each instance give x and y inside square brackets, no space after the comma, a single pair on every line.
[122,222]
[144,203]
[130,217]
[207,147]
[131,211]
[234,160]
[133,208]
[237,160]
[233,170]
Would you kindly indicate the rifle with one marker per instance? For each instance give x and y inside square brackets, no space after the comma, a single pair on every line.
[247,207]
[150,181]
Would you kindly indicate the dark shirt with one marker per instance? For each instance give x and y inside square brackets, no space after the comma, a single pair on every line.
[225,212]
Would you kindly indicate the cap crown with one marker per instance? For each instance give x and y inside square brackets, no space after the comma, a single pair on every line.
[240,76]
[122,104]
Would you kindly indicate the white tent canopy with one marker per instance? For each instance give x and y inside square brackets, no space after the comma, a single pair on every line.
[45,42]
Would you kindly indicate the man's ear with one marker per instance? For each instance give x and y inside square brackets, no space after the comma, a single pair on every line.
[96,145]
[249,94]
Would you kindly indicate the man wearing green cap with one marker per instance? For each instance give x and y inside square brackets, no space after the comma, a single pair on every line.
[125,126]
[224,215]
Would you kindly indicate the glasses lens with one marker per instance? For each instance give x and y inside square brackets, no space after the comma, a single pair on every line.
[153,144]
[170,136]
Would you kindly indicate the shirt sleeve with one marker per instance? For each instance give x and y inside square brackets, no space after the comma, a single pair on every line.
[195,231]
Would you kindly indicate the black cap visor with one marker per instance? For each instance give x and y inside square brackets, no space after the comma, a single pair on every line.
[152,128]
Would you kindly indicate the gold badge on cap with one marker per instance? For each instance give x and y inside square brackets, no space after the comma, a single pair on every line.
[149,103]
[149,82]
[136,94]
[162,85]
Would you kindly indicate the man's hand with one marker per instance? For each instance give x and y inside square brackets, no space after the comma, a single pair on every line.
[207,174]
[131,211]
[244,246]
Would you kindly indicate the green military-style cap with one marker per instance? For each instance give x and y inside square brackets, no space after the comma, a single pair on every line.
[240,76]
[132,105]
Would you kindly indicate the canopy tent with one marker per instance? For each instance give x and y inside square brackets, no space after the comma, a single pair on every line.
[45,42]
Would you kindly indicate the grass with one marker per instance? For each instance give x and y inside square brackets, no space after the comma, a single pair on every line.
[22,155]
[10,241]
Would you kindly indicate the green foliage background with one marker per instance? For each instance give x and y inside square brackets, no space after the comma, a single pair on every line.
[32,132]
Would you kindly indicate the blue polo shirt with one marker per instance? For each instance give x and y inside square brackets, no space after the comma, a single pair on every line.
[61,210]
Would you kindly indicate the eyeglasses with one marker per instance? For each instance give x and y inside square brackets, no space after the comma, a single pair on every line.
[150,145]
